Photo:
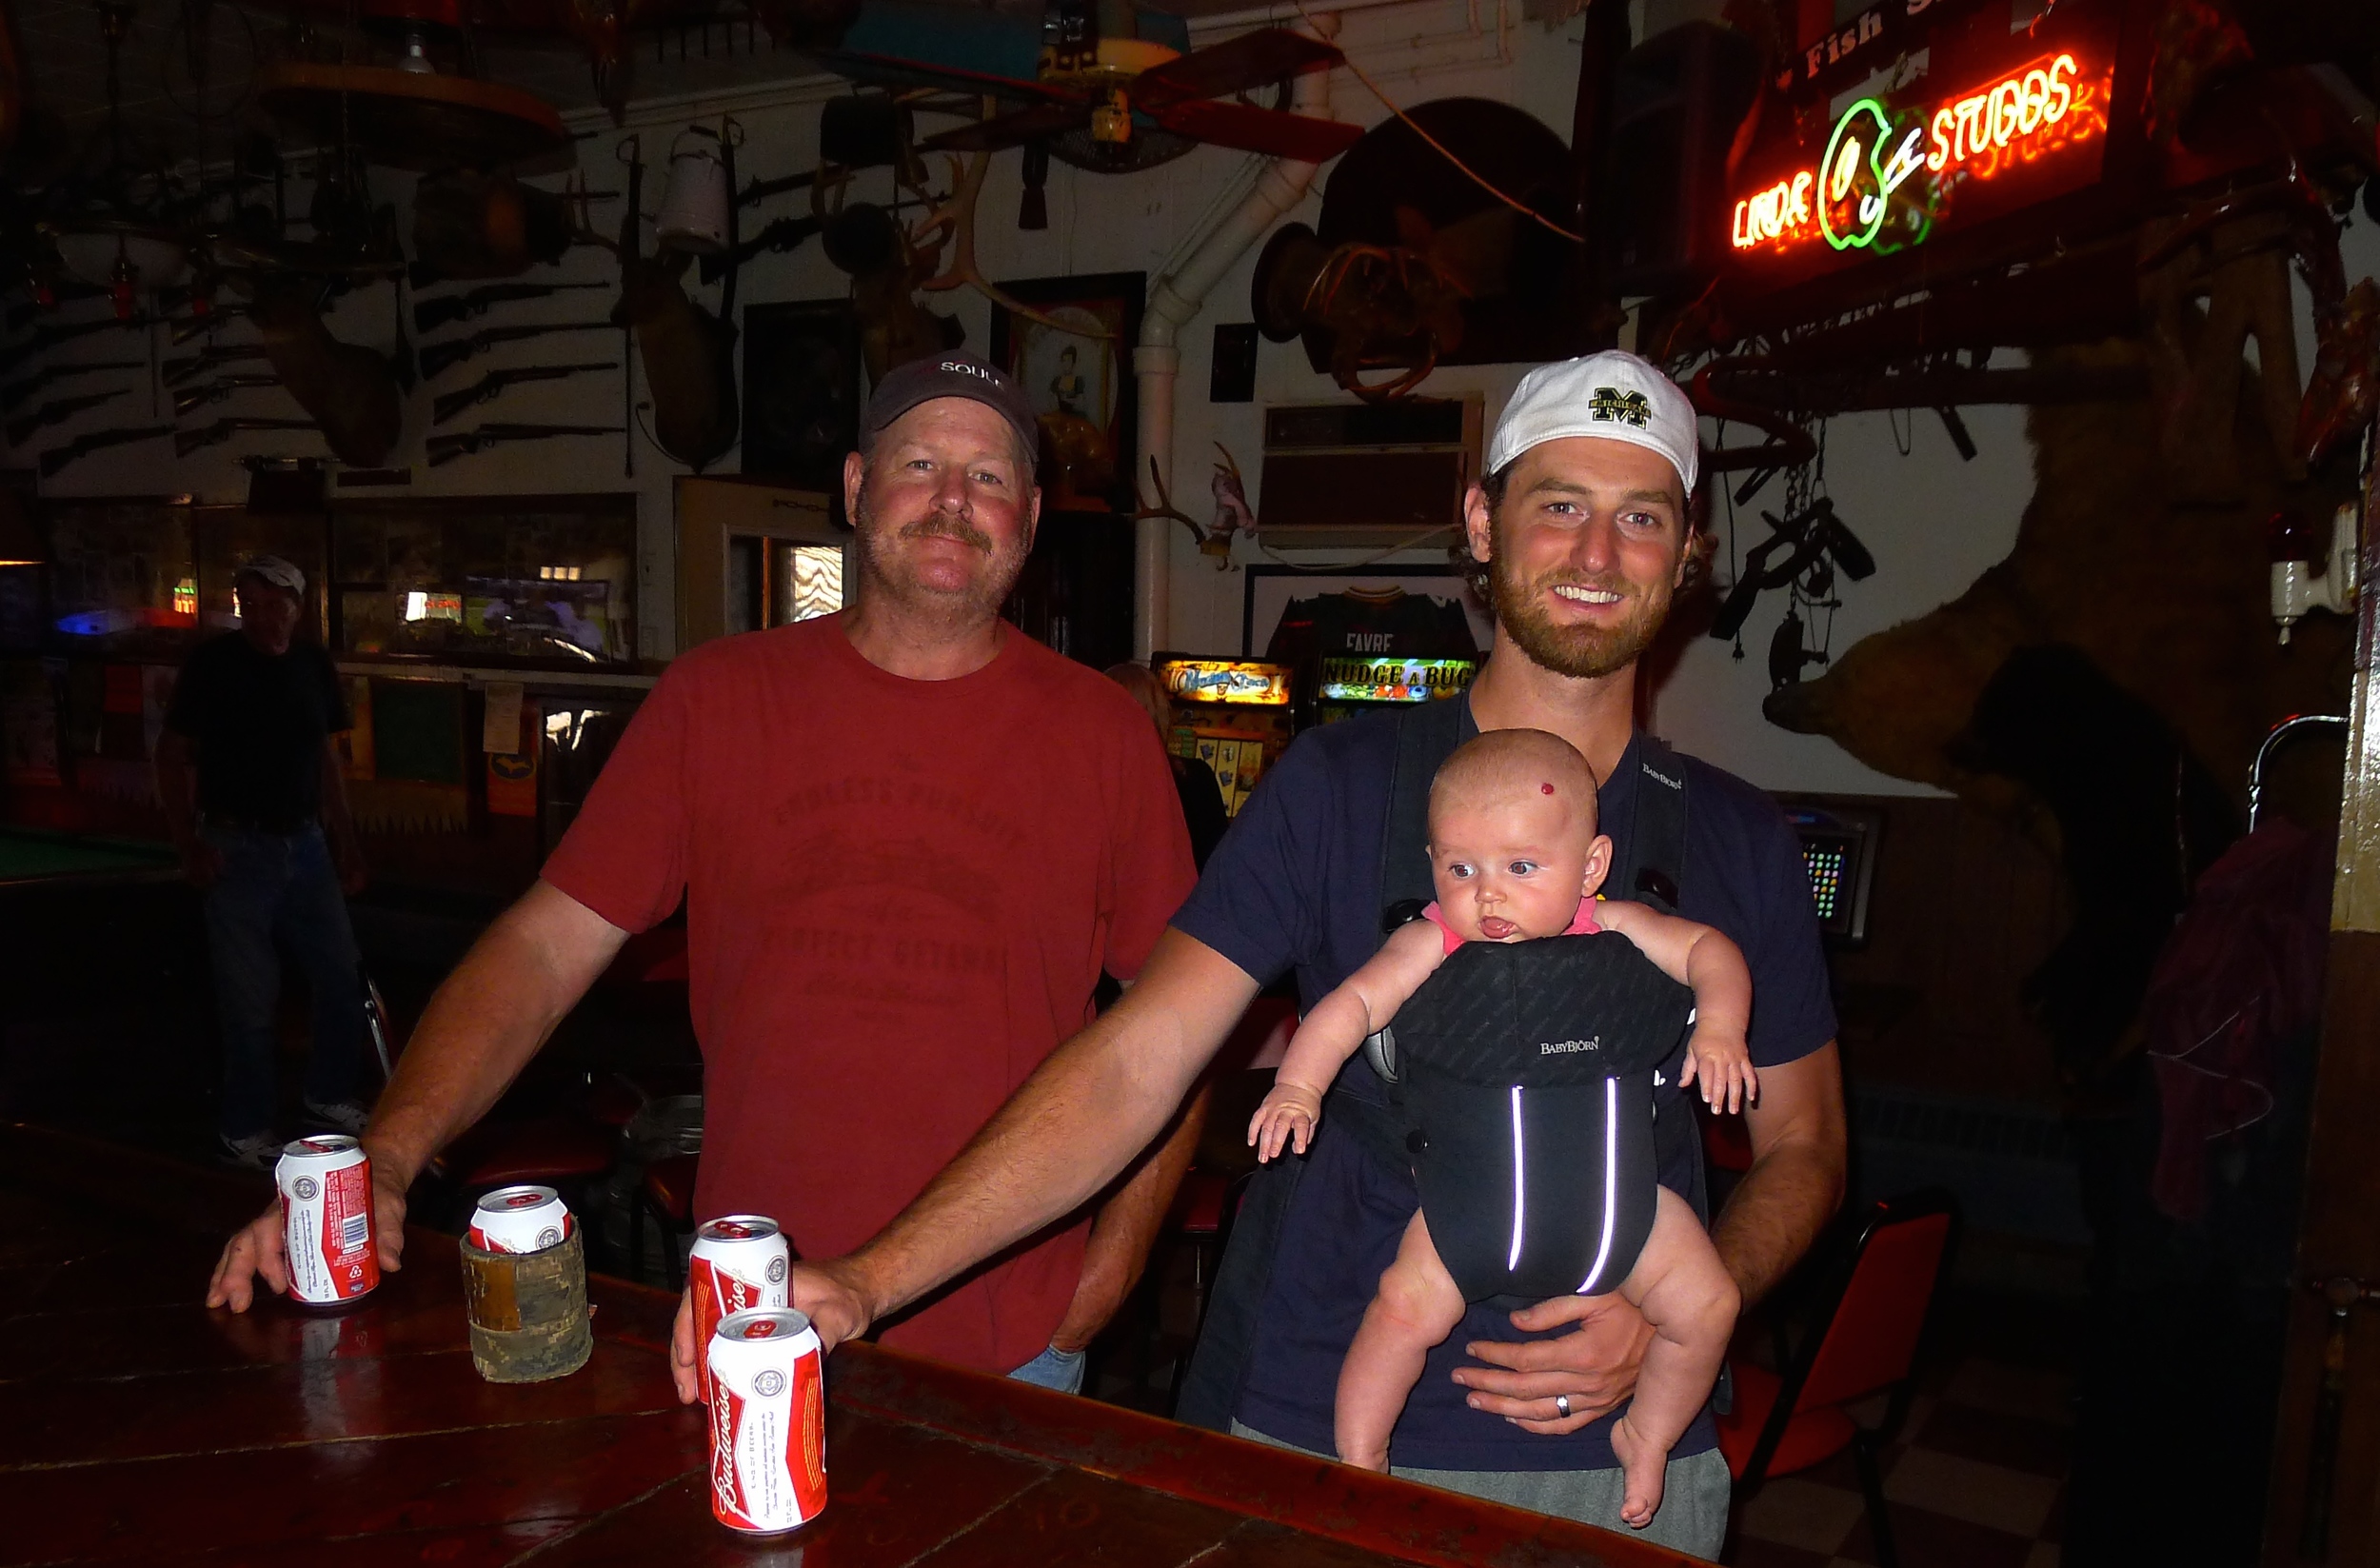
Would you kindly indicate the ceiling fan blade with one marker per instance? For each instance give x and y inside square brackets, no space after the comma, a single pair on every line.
[1248,61]
[893,72]
[1015,129]
[1265,131]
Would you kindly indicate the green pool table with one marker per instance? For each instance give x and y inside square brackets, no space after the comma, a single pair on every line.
[32,857]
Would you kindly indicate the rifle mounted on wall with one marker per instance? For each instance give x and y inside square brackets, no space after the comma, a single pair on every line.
[438,357]
[17,391]
[57,412]
[491,386]
[430,315]
[82,446]
[446,448]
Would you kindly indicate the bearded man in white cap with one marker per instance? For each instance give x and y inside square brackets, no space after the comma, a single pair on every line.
[1582,530]
[248,772]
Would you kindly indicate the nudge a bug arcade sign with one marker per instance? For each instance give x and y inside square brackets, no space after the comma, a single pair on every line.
[1898,169]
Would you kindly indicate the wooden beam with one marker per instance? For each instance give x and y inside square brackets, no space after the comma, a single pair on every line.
[2325,1504]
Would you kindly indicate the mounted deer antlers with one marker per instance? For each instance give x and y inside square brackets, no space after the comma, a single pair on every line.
[953,223]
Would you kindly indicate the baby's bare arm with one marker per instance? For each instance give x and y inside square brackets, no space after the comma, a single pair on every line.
[1694,955]
[1329,1034]
[1719,1057]
[1364,1002]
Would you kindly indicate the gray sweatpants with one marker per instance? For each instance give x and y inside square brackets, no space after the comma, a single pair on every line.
[1693,1494]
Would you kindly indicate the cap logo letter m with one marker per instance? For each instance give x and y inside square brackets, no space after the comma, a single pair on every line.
[1610,403]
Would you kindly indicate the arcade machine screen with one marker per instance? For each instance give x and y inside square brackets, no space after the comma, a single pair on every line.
[1838,845]
[1231,714]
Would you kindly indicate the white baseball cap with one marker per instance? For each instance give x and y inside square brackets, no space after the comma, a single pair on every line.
[1613,396]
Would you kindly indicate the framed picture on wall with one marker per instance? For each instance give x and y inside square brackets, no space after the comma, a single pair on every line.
[1075,364]
[802,392]
[1425,607]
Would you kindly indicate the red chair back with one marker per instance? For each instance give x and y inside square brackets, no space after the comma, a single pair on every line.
[1872,1342]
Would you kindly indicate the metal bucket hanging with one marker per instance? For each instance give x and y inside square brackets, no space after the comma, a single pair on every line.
[693,215]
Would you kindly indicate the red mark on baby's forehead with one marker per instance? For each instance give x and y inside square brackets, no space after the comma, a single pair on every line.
[1546,787]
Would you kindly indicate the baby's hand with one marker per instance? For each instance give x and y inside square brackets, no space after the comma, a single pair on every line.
[1723,1064]
[1288,1116]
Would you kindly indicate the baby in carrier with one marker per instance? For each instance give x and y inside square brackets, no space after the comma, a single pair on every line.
[1531,1020]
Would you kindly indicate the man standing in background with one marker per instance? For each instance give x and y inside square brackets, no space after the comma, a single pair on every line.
[248,773]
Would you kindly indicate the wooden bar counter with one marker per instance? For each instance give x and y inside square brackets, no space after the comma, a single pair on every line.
[137,1426]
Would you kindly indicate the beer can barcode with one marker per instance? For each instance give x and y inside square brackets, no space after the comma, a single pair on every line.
[355,1230]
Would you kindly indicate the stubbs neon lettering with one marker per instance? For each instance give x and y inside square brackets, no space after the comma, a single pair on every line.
[1986,120]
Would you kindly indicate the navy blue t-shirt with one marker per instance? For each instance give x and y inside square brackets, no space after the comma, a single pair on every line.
[1296,884]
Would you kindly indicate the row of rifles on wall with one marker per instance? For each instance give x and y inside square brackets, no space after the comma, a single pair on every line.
[478,229]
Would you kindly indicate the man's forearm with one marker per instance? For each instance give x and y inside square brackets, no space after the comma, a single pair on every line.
[486,1022]
[1126,1226]
[1097,1100]
[1795,1182]
[1774,1215]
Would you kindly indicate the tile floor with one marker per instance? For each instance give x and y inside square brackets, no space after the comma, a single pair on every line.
[1978,1478]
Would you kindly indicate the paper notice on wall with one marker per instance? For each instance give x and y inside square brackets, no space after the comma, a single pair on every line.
[500,731]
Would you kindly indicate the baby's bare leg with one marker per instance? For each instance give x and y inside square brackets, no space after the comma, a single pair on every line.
[1417,1307]
[1686,1294]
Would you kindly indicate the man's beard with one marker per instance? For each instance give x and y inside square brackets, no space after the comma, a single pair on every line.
[984,596]
[1581,652]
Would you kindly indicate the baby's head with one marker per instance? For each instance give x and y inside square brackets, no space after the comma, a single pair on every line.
[1513,840]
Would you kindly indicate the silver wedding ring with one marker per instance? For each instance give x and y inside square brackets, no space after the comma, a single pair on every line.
[1561,1403]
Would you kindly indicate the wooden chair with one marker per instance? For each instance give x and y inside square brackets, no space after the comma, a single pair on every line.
[1864,1340]
[666,1195]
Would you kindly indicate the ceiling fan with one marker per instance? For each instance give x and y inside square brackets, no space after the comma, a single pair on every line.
[1105,87]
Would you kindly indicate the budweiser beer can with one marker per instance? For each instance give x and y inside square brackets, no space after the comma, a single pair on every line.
[767,1422]
[520,1219]
[326,1185]
[740,1262]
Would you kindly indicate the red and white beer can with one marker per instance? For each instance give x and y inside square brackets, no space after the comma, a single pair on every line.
[326,1184]
[767,1422]
[740,1262]
[521,1220]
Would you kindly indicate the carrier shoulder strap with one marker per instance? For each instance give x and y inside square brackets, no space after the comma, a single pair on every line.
[1652,870]
[1426,736]
[1657,830]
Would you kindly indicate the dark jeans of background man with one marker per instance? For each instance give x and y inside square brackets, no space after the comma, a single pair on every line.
[281,888]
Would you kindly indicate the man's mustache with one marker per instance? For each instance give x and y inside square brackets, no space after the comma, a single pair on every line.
[942,525]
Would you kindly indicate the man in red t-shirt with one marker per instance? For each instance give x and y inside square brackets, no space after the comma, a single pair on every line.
[908,839]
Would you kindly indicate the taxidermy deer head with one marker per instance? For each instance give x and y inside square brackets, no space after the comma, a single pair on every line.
[351,390]
[690,354]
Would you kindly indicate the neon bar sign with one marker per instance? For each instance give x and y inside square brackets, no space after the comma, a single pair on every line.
[1854,197]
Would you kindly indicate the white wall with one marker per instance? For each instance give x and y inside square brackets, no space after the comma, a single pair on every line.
[1932,521]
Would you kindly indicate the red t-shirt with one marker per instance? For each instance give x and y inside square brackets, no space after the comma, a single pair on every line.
[899,895]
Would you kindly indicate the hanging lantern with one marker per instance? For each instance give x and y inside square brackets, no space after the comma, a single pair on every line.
[693,215]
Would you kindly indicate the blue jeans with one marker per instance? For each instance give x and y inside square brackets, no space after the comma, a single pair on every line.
[280,886]
[1053,1368]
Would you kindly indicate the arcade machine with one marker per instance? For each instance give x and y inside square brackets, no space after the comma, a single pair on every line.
[1838,849]
[1231,714]
[1369,647]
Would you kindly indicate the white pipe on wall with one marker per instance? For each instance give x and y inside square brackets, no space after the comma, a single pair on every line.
[1174,300]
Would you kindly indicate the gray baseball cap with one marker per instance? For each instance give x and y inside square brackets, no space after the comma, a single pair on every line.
[905,386]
